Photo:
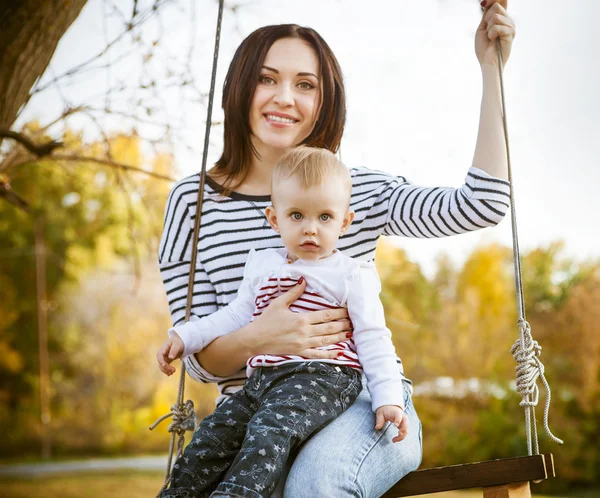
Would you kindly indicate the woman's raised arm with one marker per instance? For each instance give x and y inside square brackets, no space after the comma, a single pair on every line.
[490,149]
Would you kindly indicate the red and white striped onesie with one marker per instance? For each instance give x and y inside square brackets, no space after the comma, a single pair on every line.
[332,282]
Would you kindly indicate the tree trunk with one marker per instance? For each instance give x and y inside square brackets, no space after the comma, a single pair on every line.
[29,33]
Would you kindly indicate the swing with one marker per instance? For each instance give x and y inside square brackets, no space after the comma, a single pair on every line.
[502,478]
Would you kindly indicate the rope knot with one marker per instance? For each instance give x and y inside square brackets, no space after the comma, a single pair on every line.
[529,368]
[184,418]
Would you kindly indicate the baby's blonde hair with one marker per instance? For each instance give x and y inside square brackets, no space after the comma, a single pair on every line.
[312,167]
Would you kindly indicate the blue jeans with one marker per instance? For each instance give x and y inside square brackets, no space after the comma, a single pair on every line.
[349,458]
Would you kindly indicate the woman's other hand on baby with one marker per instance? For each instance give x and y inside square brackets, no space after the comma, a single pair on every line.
[171,350]
[395,415]
[284,331]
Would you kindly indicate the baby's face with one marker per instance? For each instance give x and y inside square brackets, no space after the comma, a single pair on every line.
[310,220]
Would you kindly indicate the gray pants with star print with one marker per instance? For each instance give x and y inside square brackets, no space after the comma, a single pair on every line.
[240,450]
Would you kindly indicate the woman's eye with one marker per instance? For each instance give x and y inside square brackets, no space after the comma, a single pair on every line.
[296,216]
[325,217]
[305,85]
[267,80]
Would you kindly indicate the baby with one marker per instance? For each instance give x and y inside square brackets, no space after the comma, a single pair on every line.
[245,443]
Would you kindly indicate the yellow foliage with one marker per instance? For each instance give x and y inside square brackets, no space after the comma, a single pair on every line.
[77,257]
[8,297]
[10,359]
[105,255]
[127,149]
[484,282]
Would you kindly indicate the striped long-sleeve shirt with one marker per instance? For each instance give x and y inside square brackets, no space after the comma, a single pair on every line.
[383,204]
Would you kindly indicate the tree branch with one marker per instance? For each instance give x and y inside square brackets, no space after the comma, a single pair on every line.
[108,162]
[13,198]
[38,150]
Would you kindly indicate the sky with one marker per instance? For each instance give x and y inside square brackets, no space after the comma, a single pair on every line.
[413,90]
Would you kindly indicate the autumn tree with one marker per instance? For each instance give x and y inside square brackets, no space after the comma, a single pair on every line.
[94,219]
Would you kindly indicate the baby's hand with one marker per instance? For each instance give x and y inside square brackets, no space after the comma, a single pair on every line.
[395,415]
[169,352]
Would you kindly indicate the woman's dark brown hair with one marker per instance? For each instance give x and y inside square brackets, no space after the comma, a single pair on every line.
[238,92]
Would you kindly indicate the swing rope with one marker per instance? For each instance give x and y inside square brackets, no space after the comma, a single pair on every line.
[184,416]
[525,350]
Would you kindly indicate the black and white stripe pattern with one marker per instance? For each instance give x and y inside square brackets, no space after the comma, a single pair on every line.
[231,226]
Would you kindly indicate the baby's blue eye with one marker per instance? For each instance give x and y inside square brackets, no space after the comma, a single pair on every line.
[325,217]
[296,216]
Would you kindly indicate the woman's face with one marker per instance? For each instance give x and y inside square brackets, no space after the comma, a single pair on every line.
[286,102]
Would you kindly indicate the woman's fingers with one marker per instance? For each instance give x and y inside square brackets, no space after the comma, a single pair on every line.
[289,297]
[325,334]
[328,328]
[495,24]
[498,19]
[319,354]
[493,4]
[329,315]
[495,10]
[499,31]
[328,340]
[497,16]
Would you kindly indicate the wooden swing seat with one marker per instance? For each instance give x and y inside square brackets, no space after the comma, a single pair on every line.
[502,478]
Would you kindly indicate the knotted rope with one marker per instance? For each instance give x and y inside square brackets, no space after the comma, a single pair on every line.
[529,369]
[184,419]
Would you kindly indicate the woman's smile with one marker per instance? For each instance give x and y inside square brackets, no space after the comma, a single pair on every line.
[280,120]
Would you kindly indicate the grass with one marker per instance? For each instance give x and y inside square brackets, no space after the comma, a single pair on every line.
[134,485]
[83,485]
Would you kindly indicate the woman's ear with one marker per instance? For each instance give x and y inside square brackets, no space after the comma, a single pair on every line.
[272,218]
[348,219]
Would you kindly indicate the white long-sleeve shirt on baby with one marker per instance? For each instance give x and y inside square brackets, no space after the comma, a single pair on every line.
[332,282]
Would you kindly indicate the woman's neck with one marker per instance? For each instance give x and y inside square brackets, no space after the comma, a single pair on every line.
[263,164]
[258,179]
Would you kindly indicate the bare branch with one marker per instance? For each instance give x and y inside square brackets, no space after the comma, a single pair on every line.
[38,150]
[108,162]
[131,116]
[12,197]
[135,11]
[67,112]
[141,18]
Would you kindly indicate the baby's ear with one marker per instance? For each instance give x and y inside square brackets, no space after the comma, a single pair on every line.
[272,218]
[348,219]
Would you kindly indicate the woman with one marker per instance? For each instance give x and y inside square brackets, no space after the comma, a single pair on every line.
[284,87]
